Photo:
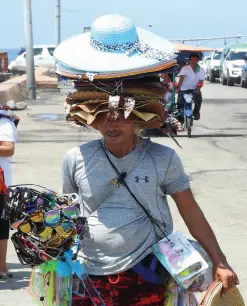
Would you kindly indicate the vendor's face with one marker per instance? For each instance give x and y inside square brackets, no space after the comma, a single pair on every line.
[117,131]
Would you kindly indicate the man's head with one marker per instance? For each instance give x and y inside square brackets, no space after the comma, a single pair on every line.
[194,59]
[119,131]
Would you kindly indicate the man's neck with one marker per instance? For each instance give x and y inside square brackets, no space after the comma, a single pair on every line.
[123,149]
[193,66]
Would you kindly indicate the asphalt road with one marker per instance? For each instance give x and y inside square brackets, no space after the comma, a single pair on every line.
[215,159]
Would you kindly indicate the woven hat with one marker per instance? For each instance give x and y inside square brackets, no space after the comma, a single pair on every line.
[149,114]
[114,48]
[213,296]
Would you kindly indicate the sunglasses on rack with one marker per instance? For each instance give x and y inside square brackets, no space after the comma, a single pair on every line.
[26,226]
[52,217]
[40,230]
[29,253]
[61,229]
[64,239]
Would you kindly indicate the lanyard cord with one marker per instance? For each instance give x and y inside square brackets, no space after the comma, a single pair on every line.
[121,181]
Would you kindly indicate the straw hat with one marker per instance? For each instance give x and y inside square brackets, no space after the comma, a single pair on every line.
[213,296]
[148,115]
[115,47]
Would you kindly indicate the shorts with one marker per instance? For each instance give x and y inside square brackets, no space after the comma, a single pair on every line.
[129,290]
[4,229]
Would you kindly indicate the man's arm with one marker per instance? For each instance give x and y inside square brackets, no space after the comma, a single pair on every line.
[197,224]
[68,173]
[202,78]
[181,79]
[7,148]
[202,232]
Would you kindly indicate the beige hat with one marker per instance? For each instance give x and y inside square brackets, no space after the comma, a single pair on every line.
[213,297]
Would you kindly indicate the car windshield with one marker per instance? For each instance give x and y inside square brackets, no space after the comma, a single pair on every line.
[51,51]
[237,55]
[217,55]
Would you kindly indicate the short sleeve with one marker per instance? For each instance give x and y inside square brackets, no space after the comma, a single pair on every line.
[202,74]
[175,178]
[8,130]
[183,71]
[68,173]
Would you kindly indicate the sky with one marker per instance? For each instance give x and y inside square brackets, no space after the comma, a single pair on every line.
[170,19]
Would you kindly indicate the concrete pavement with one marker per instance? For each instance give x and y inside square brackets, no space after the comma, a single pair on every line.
[215,159]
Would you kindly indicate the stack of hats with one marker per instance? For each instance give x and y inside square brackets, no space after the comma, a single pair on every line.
[116,69]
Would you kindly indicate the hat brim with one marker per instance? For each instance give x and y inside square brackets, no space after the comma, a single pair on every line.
[150,115]
[72,73]
[77,53]
[213,296]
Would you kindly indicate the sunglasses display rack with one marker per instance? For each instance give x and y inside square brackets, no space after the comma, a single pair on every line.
[48,231]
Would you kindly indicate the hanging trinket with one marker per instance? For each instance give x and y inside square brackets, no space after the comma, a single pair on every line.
[113,106]
[129,104]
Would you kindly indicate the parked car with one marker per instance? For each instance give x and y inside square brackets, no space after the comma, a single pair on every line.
[43,57]
[231,63]
[204,62]
[244,74]
[213,65]
[232,67]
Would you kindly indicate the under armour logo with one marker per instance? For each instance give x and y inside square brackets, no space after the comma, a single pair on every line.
[138,179]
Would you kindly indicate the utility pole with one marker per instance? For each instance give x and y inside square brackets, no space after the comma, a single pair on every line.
[58,28]
[31,85]
[58,22]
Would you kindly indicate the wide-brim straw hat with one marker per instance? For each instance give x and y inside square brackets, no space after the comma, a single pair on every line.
[150,115]
[114,47]
[213,296]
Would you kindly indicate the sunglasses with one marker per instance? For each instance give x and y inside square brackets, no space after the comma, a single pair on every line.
[62,229]
[36,250]
[25,254]
[65,239]
[52,217]
[26,226]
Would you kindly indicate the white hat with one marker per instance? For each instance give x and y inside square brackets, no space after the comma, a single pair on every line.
[115,45]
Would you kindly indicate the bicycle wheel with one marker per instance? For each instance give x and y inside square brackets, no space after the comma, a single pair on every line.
[188,126]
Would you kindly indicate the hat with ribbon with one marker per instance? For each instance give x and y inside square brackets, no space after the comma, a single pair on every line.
[115,47]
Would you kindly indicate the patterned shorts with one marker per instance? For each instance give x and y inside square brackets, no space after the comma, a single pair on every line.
[130,290]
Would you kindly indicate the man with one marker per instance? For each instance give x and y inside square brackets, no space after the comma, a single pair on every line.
[192,77]
[8,137]
[120,235]
[122,179]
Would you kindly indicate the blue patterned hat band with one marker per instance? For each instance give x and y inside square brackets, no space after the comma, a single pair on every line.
[140,47]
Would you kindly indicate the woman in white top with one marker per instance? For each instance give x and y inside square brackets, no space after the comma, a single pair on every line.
[8,137]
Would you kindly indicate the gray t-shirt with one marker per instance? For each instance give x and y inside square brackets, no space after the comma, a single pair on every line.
[120,233]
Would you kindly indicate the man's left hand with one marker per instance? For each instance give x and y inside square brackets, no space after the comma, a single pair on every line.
[225,273]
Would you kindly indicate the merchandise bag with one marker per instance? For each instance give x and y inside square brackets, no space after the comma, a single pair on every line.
[180,259]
